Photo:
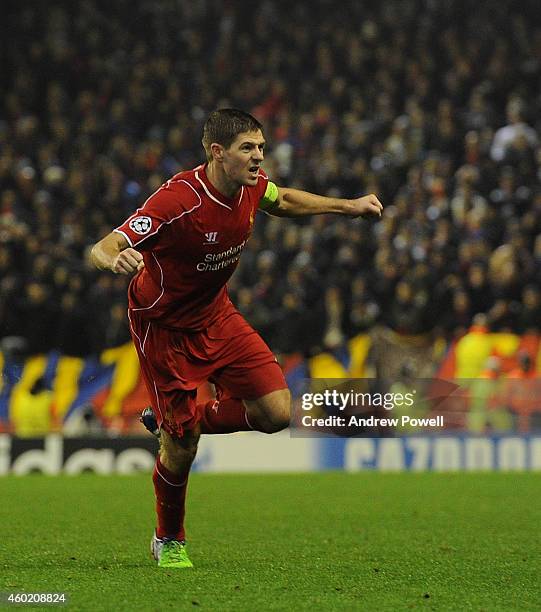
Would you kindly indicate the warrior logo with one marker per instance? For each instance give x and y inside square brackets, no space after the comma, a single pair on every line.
[211,238]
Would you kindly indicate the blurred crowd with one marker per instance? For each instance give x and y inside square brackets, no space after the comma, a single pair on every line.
[434,106]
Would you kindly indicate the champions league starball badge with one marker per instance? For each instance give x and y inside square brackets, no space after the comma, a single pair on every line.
[141,225]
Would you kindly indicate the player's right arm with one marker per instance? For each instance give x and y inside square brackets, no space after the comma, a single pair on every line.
[120,250]
[115,254]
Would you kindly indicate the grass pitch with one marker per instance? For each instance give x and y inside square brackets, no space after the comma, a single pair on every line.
[330,541]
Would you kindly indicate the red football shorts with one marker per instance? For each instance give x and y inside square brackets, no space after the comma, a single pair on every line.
[174,363]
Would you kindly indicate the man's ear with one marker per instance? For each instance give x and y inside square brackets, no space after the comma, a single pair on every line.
[217,151]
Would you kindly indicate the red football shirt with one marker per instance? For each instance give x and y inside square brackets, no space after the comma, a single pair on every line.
[191,237]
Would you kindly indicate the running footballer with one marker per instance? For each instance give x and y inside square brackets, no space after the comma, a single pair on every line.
[183,245]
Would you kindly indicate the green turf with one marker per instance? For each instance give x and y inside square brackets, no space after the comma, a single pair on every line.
[329,541]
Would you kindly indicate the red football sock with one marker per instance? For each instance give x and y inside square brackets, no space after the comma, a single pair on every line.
[170,492]
[223,416]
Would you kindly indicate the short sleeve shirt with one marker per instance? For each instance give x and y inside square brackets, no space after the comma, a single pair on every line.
[191,237]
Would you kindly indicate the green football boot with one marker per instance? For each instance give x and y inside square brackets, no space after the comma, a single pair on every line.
[169,553]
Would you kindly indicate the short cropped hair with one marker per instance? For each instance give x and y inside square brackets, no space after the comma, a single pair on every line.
[224,125]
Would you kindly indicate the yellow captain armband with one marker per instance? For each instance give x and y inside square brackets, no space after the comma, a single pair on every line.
[269,200]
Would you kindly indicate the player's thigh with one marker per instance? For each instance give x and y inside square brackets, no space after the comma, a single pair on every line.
[170,377]
[256,378]
[251,370]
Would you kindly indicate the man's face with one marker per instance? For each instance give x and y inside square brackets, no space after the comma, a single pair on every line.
[242,160]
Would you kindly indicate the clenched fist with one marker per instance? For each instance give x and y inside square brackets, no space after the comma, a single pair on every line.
[127,261]
[367,206]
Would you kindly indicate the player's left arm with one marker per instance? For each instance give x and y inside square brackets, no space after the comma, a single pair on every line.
[287,202]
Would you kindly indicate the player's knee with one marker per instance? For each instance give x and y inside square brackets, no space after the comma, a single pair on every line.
[278,422]
[270,413]
[177,458]
[279,415]
[176,453]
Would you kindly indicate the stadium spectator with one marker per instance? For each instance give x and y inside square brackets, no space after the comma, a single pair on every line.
[516,137]
[529,318]
[521,393]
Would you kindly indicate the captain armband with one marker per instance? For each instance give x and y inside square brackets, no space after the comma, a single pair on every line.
[270,198]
